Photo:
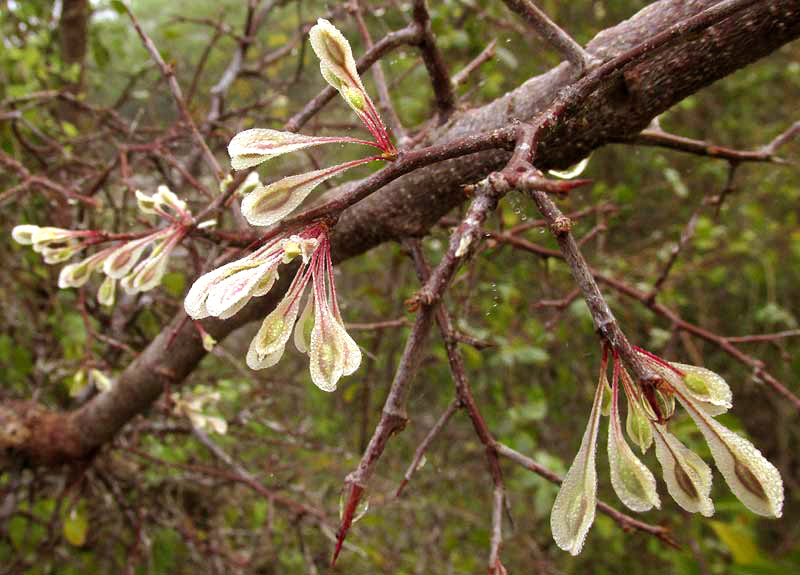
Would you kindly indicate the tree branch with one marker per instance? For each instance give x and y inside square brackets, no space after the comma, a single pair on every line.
[553,34]
[177,94]
[621,104]
[624,520]
[435,64]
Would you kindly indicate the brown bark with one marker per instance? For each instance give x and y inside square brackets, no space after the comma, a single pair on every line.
[73,28]
[619,108]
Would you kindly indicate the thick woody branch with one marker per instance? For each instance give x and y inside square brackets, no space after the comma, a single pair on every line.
[619,105]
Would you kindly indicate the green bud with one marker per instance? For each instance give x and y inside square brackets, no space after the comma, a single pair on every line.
[606,405]
[226,181]
[290,251]
[208,342]
[354,97]
[638,427]
[696,384]
[106,293]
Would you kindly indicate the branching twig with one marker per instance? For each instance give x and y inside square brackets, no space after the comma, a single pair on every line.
[466,400]
[783,138]
[393,416]
[686,235]
[177,94]
[763,336]
[393,419]
[726,344]
[253,21]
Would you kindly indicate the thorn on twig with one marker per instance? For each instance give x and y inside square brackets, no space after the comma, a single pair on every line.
[412,304]
[401,487]
[498,569]
[353,499]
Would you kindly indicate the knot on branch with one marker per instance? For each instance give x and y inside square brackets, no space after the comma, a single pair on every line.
[13,431]
[495,184]
[35,435]
[561,225]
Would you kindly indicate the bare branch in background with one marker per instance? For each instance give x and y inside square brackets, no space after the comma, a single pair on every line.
[177,93]
[435,64]
[553,34]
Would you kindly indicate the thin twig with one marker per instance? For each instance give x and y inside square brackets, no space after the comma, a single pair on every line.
[726,344]
[385,101]
[423,447]
[393,419]
[624,520]
[435,64]
[377,325]
[758,366]
[169,74]
[298,509]
[686,235]
[783,138]
[411,34]
[553,34]
[393,415]
[702,148]
[498,497]
[763,337]
[466,399]
[486,54]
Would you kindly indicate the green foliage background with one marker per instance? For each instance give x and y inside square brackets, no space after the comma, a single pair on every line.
[739,277]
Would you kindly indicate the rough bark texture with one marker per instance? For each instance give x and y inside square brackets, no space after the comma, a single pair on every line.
[619,108]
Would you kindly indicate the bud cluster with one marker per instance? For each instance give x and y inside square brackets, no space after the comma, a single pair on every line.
[319,331]
[704,395]
[123,259]
[221,293]
[192,405]
[266,205]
